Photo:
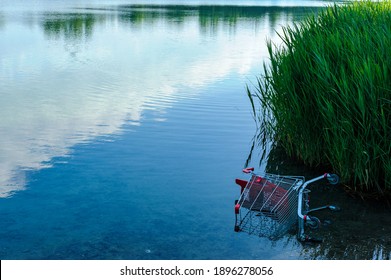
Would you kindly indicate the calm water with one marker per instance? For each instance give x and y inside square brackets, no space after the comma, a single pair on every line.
[123,127]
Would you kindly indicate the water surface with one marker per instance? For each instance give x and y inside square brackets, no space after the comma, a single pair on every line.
[123,125]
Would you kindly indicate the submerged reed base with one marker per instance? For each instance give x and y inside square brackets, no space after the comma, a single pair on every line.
[325,94]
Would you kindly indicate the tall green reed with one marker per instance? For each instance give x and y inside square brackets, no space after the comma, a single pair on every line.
[325,94]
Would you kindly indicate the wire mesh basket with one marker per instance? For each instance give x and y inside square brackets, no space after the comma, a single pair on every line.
[267,206]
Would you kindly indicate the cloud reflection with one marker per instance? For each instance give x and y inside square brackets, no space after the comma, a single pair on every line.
[92,71]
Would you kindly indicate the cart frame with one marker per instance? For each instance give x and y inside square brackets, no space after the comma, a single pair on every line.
[270,205]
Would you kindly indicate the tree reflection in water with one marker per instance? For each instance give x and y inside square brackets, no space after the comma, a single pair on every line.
[81,25]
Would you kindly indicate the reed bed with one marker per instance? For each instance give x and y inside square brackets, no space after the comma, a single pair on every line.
[325,94]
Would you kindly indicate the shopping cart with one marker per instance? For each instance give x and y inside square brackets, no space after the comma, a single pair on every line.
[272,205]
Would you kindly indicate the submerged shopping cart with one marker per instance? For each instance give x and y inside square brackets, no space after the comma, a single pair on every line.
[272,205]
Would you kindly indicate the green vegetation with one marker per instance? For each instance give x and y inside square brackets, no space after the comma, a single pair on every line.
[325,94]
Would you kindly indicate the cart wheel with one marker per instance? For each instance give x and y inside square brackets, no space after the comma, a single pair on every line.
[334,208]
[333,179]
[237,208]
[237,229]
[314,223]
[313,239]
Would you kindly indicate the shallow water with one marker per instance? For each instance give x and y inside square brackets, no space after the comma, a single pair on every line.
[124,126]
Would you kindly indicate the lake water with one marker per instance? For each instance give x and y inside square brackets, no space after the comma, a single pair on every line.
[123,126]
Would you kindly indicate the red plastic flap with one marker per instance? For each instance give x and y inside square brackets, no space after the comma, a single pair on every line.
[241,183]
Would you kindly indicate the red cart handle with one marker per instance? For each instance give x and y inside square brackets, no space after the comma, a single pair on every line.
[248,170]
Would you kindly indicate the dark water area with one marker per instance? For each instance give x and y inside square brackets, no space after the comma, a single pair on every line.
[357,231]
[124,125]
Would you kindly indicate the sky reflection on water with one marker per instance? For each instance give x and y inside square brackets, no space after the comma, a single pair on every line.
[71,82]
[125,127]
